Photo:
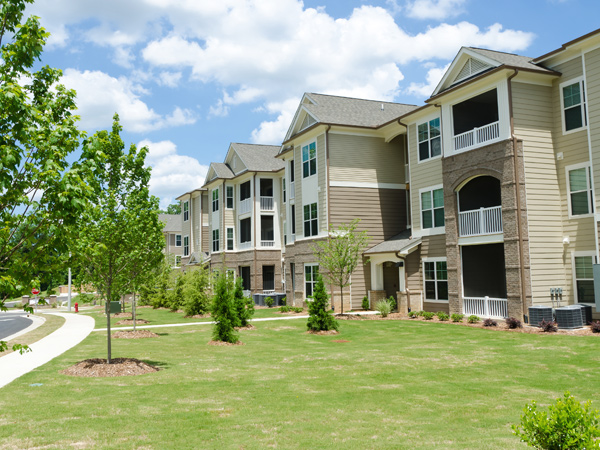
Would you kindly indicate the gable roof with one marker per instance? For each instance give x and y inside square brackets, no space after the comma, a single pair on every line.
[568,45]
[172,222]
[335,110]
[259,158]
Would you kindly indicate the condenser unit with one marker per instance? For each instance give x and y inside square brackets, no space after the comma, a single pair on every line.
[569,317]
[538,313]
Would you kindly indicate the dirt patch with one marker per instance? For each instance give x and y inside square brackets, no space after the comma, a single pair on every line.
[137,334]
[323,332]
[340,341]
[247,327]
[222,343]
[123,314]
[130,321]
[119,367]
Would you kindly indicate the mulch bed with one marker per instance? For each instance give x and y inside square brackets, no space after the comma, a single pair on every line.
[137,334]
[247,327]
[123,314]
[130,321]
[323,332]
[119,367]
[222,343]
[198,316]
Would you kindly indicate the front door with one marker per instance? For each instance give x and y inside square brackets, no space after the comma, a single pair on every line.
[391,280]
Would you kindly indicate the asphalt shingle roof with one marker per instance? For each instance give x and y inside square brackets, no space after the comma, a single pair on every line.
[394,244]
[259,158]
[510,59]
[222,170]
[172,222]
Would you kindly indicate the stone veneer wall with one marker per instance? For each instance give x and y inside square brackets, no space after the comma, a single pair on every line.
[299,253]
[233,260]
[495,160]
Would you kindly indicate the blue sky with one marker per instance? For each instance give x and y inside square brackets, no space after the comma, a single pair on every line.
[188,77]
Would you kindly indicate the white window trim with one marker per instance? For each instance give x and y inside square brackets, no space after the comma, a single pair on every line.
[427,120]
[433,260]
[574,275]
[180,240]
[212,241]
[312,236]
[186,211]
[186,254]
[583,105]
[227,238]
[232,196]
[314,282]
[432,230]
[283,190]
[213,200]
[302,160]
[590,197]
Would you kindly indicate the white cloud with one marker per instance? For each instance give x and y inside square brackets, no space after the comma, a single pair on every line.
[273,132]
[433,77]
[172,173]
[170,79]
[434,9]
[99,96]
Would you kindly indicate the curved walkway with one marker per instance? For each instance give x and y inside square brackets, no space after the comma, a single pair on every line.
[75,329]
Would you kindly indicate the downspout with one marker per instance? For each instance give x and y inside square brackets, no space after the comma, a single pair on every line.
[254,225]
[409,208]
[403,259]
[327,173]
[518,194]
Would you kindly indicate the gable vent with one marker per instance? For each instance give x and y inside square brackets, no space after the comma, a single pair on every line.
[307,122]
[471,67]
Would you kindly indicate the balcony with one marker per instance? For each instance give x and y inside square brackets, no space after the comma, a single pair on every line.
[245,206]
[485,307]
[245,245]
[266,203]
[480,221]
[267,243]
[476,136]
[292,190]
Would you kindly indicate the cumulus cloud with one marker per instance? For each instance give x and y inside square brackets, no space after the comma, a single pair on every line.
[434,9]
[433,77]
[172,173]
[99,96]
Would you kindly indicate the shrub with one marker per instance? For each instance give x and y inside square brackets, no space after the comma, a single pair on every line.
[284,309]
[566,424]
[384,307]
[320,318]
[392,301]
[269,302]
[365,303]
[490,323]
[513,323]
[244,307]
[223,310]
[284,301]
[195,292]
[473,319]
[413,314]
[595,326]
[420,313]
[548,327]
[297,309]
[442,316]
[427,315]
[457,317]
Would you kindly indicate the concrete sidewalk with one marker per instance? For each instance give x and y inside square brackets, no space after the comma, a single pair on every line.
[75,329]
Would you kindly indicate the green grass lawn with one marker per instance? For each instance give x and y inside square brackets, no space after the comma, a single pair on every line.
[396,384]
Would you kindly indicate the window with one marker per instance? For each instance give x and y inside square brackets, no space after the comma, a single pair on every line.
[292,173]
[584,278]
[309,160]
[245,274]
[186,246]
[311,226]
[311,271]
[267,231]
[580,190]
[573,103]
[245,230]
[177,240]
[430,141]
[228,197]
[186,211]
[436,280]
[215,240]
[215,200]
[244,191]
[432,208]
[283,189]
[293,214]
[268,276]
[230,236]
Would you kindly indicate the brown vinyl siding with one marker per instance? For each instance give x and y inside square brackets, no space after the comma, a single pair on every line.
[322,177]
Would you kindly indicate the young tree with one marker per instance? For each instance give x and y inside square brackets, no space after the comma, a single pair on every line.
[339,255]
[39,195]
[195,292]
[223,310]
[244,307]
[120,235]
[320,317]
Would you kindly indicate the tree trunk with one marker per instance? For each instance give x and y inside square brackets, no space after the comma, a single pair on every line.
[342,299]
[133,309]
[108,312]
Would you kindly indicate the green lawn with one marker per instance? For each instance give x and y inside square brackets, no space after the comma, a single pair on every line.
[396,384]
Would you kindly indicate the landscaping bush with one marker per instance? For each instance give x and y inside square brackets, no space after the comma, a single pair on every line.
[244,307]
[297,309]
[392,301]
[490,323]
[195,292]
[384,307]
[566,425]
[284,309]
[365,303]
[269,302]
[223,310]
[442,316]
[284,301]
[548,326]
[457,317]
[413,314]
[321,318]
[595,327]
[473,319]
[427,315]
[513,323]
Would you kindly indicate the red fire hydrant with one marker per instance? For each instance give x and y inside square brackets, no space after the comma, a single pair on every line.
[76,307]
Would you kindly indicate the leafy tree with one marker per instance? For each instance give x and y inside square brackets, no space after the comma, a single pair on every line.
[195,292]
[340,253]
[120,235]
[173,208]
[244,307]
[40,196]
[223,310]
[320,317]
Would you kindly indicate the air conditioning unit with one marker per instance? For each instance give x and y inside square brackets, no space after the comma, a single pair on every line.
[569,317]
[538,313]
[586,313]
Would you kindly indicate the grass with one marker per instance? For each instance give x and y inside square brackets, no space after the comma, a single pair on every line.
[51,324]
[396,384]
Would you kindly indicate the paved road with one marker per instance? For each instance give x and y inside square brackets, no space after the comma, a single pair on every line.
[13,323]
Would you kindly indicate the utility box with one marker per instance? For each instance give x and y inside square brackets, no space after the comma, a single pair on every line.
[115,307]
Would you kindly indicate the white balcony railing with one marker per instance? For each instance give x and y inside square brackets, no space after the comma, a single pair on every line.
[291,239]
[267,243]
[245,245]
[480,221]
[266,203]
[476,136]
[245,206]
[485,307]
[292,189]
